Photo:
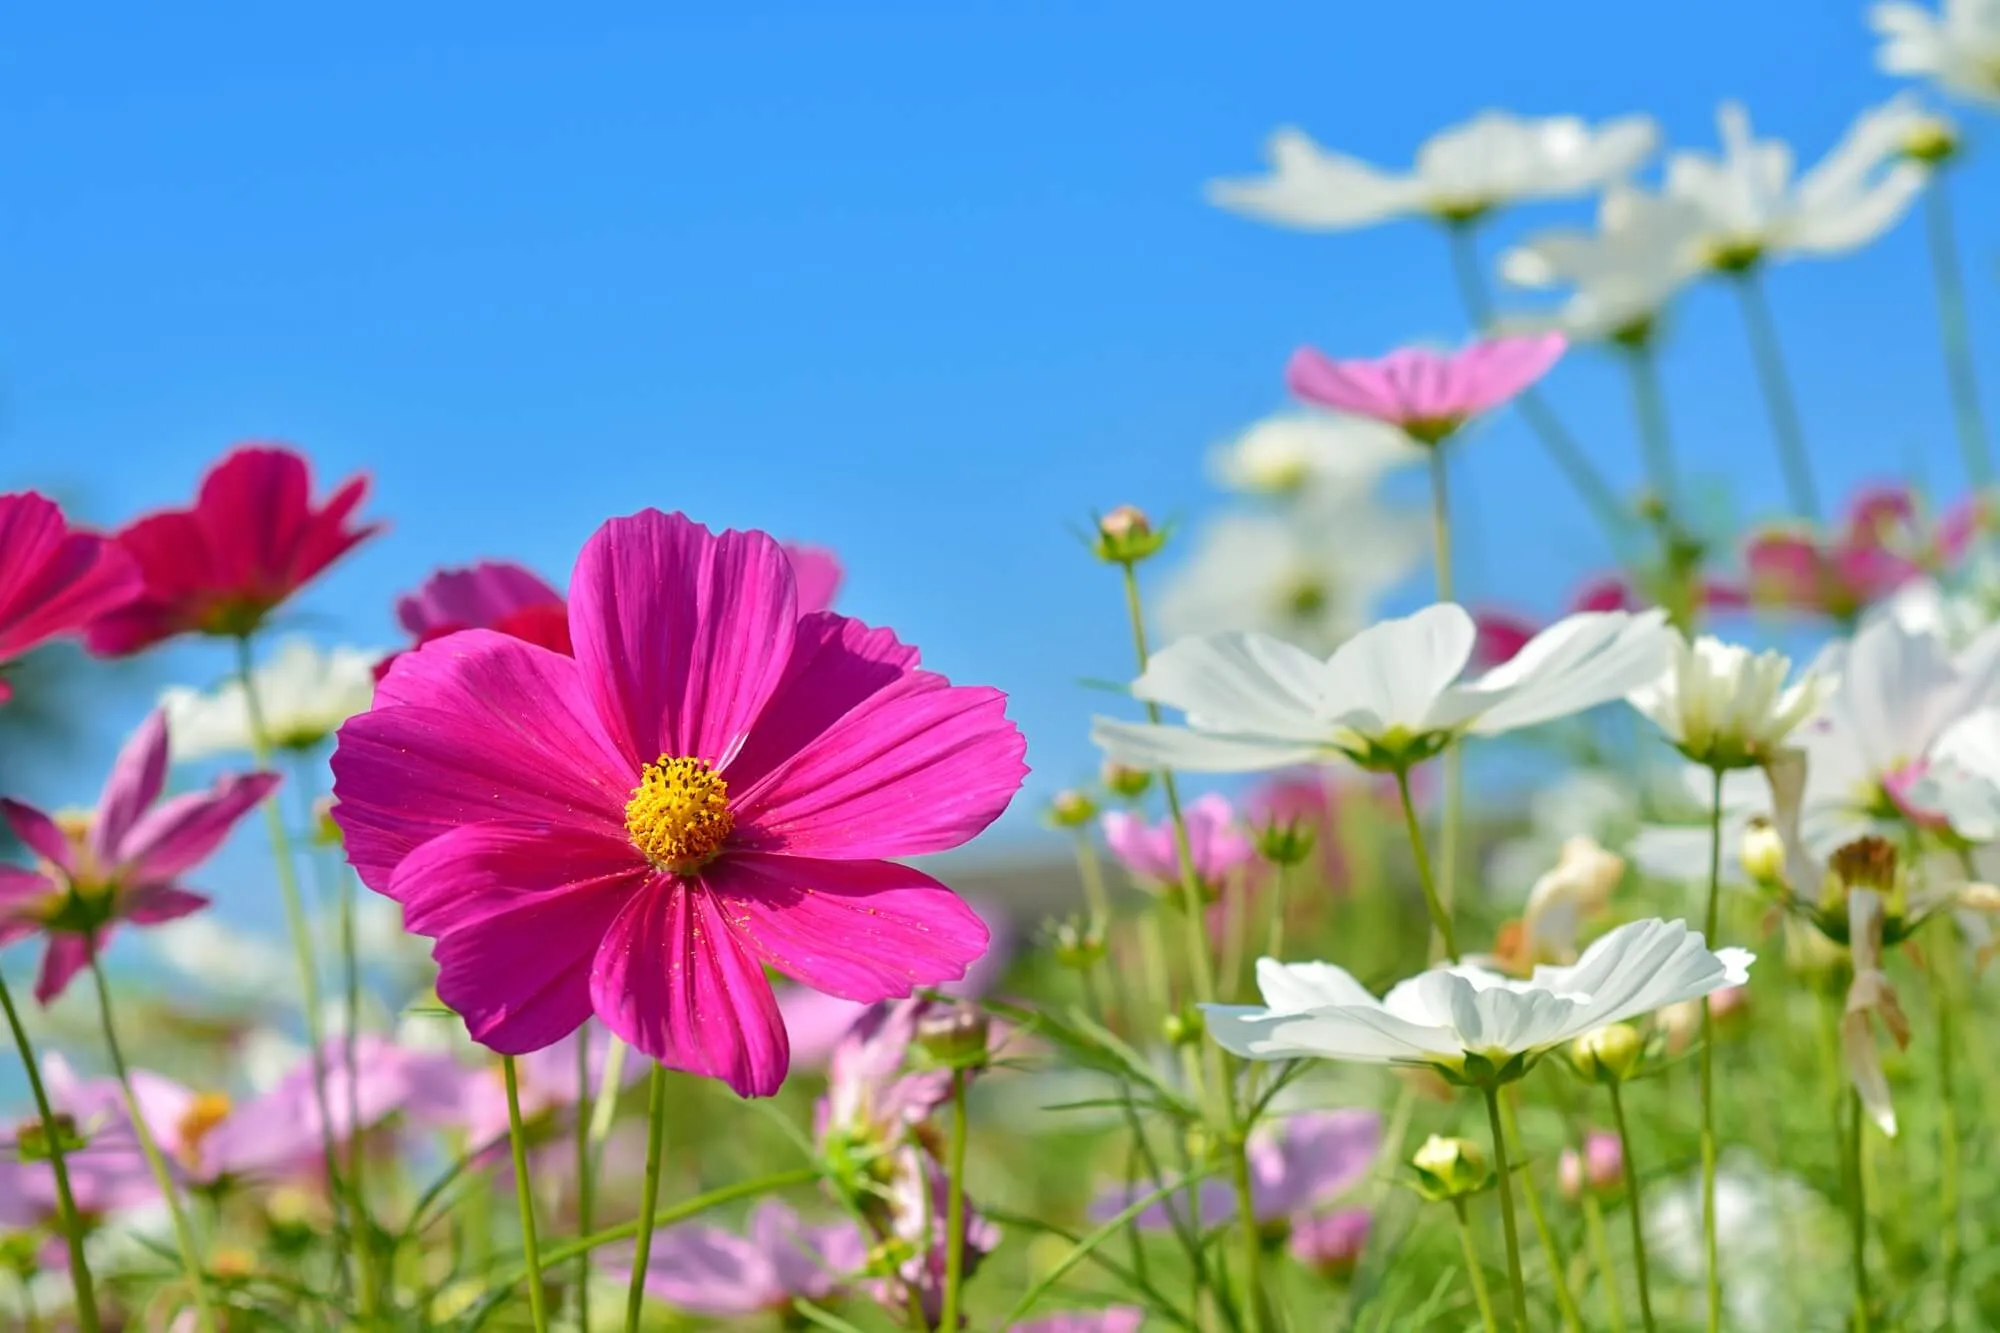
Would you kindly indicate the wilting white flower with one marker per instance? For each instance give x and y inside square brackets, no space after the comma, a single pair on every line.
[1388,697]
[1621,276]
[303,694]
[1292,453]
[1959,48]
[1310,575]
[1493,159]
[1458,1018]
[1725,707]
[1576,888]
[1752,209]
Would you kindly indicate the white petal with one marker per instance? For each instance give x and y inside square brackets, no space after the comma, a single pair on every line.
[1144,745]
[1391,673]
[1290,988]
[1249,683]
[1312,188]
[1575,664]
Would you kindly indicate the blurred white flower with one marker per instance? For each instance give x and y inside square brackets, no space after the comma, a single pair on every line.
[1387,698]
[303,694]
[1621,276]
[1959,48]
[1305,453]
[1725,707]
[1493,159]
[1766,1227]
[1580,802]
[1310,575]
[1752,209]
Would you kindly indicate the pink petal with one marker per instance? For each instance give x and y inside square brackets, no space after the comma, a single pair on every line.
[917,765]
[1878,513]
[1785,568]
[1958,528]
[861,930]
[1870,573]
[1426,384]
[674,980]
[53,580]
[681,635]
[518,912]
[478,727]
[137,778]
[708,1271]
[474,598]
[1346,386]
[179,834]
[67,955]
[253,506]
[23,894]
[816,574]
[1491,373]
[39,834]
[1606,593]
[151,904]
[836,665]
[1501,635]
[1147,850]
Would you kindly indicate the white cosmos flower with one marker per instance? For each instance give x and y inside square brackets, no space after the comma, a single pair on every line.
[304,696]
[1753,209]
[1959,48]
[1293,453]
[1310,575]
[1725,707]
[1961,780]
[1388,697]
[1768,1228]
[1621,276]
[1445,1015]
[1493,159]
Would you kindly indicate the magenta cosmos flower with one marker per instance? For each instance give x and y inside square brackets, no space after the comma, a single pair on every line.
[252,539]
[120,862]
[710,786]
[777,1260]
[1428,394]
[1883,545]
[1217,844]
[53,580]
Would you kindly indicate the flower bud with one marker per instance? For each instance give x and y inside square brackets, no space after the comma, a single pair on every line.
[954,1036]
[1286,843]
[1599,1167]
[36,1140]
[1078,944]
[1979,898]
[1124,780]
[1071,809]
[1608,1055]
[1450,1168]
[1763,854]
[1931,140]
[1331,1245]
[1185,1028]
[1125,536]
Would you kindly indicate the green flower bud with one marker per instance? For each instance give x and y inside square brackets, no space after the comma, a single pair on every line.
[955,1037]
[1121,780]
[1185,1028]
[1071,809]
[1608,1055]
[1450,1168]
[1125,536]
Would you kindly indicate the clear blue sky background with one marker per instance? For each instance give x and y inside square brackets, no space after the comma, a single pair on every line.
[925,283]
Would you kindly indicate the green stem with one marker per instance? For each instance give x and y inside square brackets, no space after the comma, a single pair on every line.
[163,1176]
[586,1182]
[1633,1209]
[524,1198]
[1454,758]
[1473,1269]
[1600,1250]
[1857,1211]
[1956,333]
[87,1318]
[1441,523]
[1572,1317]
[1275,942]
[1711,1266]
[1779,401]
[1509,1227]
[1943,999]
[1656,438]
[1440,918]
[649,1194]
[954,1213]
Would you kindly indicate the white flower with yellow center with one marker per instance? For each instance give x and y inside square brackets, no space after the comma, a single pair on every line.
[1959,48]
[1302,453]
[303,695]
[1620,277]
[1726,707]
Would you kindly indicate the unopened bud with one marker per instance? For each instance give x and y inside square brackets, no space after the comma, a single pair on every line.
[37,1140]
[1608,1055]
[1184,1028]
[1124,780]
[954,1036]
[1599,1167]
[1449,1168]
[1763,854]
[1979,898]
[1078,944]
[1126,536]
[1071,809]
[1286,843]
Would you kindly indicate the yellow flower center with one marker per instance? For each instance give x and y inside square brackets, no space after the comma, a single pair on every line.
[203,1114]
[679,813]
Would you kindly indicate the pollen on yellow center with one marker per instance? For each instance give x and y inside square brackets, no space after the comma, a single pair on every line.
[679,813]
[204,1112]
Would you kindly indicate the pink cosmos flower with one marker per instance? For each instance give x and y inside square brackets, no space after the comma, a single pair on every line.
[707,1270]
[1316,800]
[1882,546]
[1111,1319]
[1331,1244]
[1428,394]
[818,574]
[121,862]
[1601,1166]
[493,594]
[712,785]
[919,1195]
[1216,841]
[1294,1168]
[53,580]
[107,1174]
[871,1103]
[473,1101]
[252,539]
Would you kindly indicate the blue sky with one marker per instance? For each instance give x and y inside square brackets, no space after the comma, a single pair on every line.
[924,283]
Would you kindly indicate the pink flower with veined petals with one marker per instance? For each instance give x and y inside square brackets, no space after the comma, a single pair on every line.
[53,580]
[252,539]
[1216,842]
[1882,545]
[778,1259]
[713,784]
[1428,394]
[1111,1319]
[122,863]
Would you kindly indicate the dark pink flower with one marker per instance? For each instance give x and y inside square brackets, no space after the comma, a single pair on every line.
[780,1258]
[53,580]
[1217,843]
[1111,1319]
[1883,544]
[252,539]
[1428,394]
[712,785]
[121,862]
[493,594]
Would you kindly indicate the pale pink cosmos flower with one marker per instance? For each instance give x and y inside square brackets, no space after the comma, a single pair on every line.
[918,1199]
[1428,394]
[1217,844]
[106,1175]
[778,1259]
[1111,1319]
[871,1102]
[472,1101]
[711,786]
[1331,1244]
[122,862]
[1599,1167]
[1882,545]
[1294,1167]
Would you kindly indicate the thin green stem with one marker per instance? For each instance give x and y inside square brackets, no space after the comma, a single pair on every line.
[1274,942]
[1633,1209]
[1473,1268]
[1509,1227]
[1454,758]
[1656,439]
[163,1176]
[1600,1251]
[1572,1317]
[1857,1211]
[1712,1268]
[954,1212]
[649,1194]
[1955,331]
[586,1178]
[87,1318]
[1779,401]
[524,1198]
[1943,964]
[1441,523]
[1440,918]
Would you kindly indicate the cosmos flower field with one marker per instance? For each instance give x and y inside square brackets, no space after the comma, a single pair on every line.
[621,987]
